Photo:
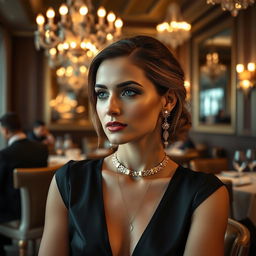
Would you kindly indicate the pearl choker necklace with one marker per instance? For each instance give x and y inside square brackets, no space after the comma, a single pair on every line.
[122,169]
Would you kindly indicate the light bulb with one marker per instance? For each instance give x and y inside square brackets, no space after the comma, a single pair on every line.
[118,23]
[111,17]
[239,68]
[63,9]
[101,12]
[83,10]
[251,67]
[50,13]
[40,19]
[52,51]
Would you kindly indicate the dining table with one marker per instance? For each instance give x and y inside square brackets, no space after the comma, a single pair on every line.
[76,155]
[244,194]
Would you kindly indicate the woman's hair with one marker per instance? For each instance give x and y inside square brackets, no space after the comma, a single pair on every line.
[159,66]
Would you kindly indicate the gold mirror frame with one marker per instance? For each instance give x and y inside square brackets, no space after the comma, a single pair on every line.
[197,125]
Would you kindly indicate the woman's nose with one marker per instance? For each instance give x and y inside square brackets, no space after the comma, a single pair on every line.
[114,106]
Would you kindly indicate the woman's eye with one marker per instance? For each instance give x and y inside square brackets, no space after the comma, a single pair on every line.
[129,93]
[102,95]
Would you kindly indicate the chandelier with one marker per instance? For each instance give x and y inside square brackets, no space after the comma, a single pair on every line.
[72,76]
[213,69]
[66,106]
[72,43]
[173,31]
[232,5]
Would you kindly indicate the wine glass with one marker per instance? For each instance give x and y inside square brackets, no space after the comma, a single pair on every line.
[59,146]
[239,161]
[251,158]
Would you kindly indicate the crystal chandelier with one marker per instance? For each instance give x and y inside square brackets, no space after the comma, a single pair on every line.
[213,69]
[173,31]
[66,106]
[72,43]
[232,5]
[72,76]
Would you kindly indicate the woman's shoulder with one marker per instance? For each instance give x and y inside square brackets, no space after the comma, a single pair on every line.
[78,168]
[194,177]
[75,176]
[198,184]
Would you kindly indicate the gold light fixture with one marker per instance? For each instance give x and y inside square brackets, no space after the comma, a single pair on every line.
[77,37]
[67,107]
[246,77]
[188,89]
[173,31]
[213,68]
[232,5]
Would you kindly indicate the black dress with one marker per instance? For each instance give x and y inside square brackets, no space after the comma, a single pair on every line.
[80,185]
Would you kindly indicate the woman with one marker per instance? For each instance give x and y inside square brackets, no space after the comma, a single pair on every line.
[136,201]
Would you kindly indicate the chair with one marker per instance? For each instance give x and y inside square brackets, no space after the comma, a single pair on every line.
[184,159]
[237,239]
[33,184]
[209,165]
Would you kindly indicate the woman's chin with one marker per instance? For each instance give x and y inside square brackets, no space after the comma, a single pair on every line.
[118,141]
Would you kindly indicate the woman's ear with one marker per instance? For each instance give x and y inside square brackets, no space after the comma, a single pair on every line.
[169,101]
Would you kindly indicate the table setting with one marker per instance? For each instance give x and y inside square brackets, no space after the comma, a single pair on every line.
[244,184]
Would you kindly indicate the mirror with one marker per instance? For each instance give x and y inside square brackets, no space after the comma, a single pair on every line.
[65,108]
[214,80]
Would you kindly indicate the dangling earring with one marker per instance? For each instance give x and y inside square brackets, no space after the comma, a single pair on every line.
[165,127]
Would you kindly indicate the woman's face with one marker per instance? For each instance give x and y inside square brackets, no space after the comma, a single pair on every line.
[128,104]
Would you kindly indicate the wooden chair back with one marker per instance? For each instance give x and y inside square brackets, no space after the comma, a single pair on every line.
[33,184]
[209,165]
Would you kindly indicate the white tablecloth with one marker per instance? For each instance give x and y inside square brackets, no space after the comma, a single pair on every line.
[244,199]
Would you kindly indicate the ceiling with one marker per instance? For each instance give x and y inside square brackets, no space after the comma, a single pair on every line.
[138,15]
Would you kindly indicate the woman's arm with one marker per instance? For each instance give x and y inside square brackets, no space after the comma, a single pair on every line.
[55,237]
[209,223]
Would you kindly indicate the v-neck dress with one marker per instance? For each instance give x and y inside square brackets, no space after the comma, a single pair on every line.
[80,186]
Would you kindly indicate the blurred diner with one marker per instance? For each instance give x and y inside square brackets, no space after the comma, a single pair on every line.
[19,153]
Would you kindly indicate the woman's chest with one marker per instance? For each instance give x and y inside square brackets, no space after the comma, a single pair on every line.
[129,208]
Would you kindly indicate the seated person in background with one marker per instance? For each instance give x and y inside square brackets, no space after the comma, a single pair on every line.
[20,153]
[41,133]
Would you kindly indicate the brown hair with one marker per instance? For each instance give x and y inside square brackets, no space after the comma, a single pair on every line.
[160,67]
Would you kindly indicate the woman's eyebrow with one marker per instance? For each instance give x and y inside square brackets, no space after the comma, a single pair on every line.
[119,85]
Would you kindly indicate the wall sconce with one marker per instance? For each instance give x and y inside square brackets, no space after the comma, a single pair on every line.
[247,77]
[188,89]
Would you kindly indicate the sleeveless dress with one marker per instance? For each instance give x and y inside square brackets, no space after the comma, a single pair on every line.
[80,185]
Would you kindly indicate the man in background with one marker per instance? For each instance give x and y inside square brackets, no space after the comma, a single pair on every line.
[20,153]
[41,133]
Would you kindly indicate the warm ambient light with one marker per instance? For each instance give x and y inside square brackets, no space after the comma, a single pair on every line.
[173,31]
[246,77]
[188,89]
[76,38]
[232,5]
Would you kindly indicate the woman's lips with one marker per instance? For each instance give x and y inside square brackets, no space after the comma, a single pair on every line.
[115,126]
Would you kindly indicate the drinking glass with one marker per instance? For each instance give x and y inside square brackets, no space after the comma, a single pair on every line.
[251,159]
[59,146]
[239,161]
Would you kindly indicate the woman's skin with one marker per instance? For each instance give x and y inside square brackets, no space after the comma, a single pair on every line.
[126,96]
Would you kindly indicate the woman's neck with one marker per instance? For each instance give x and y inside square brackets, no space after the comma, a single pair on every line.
[140,156]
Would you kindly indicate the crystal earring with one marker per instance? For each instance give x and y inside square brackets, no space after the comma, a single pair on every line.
[165,127]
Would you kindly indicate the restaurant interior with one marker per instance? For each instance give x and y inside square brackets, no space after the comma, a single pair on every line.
[44,78]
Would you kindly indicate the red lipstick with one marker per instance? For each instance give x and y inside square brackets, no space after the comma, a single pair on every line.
[115,126]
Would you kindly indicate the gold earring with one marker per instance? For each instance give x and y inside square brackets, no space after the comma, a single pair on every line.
[165,127]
